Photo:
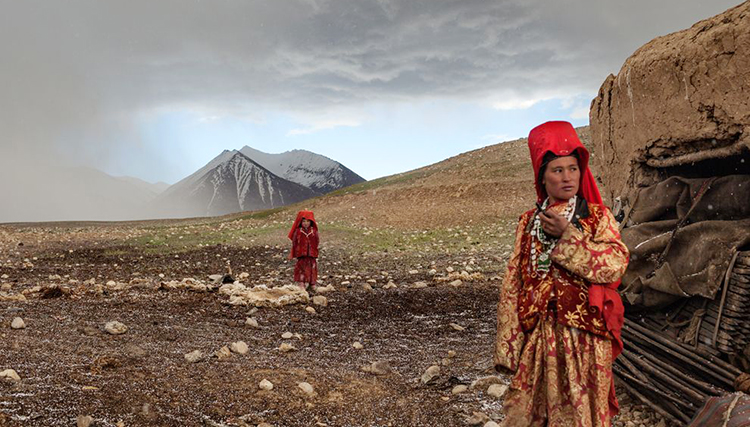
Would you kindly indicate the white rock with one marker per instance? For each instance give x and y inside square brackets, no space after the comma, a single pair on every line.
[456,283]
[324,289]
[449,270]
[459,389]
[390,285]
[419,285]
[10,374]
[115,328]
[265,385]
[457,327]
[477,419]
[17,323]
[378,368]
[484,382]
[5,287]
[244,275]
[497,390]
[286,347]
[239,347]
[358,345]
[320,300]
[491,424]
[287,335]
[451,354]
[251,322]
[430,374]
[367,287]
[413,271]
[223,353]
[84,421]
[310,310]
[194,356]
[306,388]
[4,276]
[346,282]
[432,272]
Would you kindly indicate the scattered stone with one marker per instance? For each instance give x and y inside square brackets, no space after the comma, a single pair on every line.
[265,385]
[477,419]
[491,424]
[456,283]
[251,322]
[459,389]
[10,374]
[287,335]
[115,328]
[4,277]
[6,287]
[264,425]
[310,310]
[194,356]
[320,300]
[367,287]
[324,289]
[372,281]
[378,368]
[84,421]
[432,272]
[457,327]
[239,347]
[263,296]
[451,354]
[484,382]
[306,388]
[413,271]
[430,374]
[244,275]
[419,285]
[17,323]
[223,353]
[450,270]
[286,347]
[390,285]
[358,345]
[497,390]
[346,283]
[214,278]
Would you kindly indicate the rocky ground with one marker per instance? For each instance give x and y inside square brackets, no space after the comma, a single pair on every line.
[401,336]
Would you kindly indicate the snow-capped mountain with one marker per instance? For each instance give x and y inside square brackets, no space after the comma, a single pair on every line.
[319,173]
[231,182]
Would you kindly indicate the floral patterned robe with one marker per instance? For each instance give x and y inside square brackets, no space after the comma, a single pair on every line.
[556,344]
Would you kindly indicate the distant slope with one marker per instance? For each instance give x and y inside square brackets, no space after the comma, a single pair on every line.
[312,170]
[480,186]
[230,183]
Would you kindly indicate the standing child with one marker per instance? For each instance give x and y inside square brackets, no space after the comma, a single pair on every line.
[304,236]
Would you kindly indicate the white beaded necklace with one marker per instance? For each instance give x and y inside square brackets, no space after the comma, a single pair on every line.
[542,262]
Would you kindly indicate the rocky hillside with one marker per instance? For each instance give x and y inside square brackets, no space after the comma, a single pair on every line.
[477,187]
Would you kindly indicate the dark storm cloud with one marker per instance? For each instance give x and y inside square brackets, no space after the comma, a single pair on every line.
[75,74]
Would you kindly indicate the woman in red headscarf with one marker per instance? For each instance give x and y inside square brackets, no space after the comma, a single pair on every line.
[305,239]
[559,315]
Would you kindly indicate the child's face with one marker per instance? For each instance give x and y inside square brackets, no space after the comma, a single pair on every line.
[306,223]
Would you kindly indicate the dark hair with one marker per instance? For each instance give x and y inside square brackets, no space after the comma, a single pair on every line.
[550,156]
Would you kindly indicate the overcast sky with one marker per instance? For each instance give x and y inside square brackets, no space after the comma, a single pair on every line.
[155,89]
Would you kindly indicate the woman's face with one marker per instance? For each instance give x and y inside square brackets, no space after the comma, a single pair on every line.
[562,178]
[306,223]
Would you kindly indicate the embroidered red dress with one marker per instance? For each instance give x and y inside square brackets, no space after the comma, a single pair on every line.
[558,330]
[305,249]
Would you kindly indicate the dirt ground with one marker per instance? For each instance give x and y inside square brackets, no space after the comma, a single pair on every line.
[74,278]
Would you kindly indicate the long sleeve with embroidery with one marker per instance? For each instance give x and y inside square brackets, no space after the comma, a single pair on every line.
[598,257]
[510,336]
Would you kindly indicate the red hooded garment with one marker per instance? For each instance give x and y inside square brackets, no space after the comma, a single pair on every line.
[560,138]
[304,244]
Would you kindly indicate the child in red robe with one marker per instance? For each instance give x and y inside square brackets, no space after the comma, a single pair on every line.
[305,239]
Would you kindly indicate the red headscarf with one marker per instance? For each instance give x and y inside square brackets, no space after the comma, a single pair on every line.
[561,139]
[300,216]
